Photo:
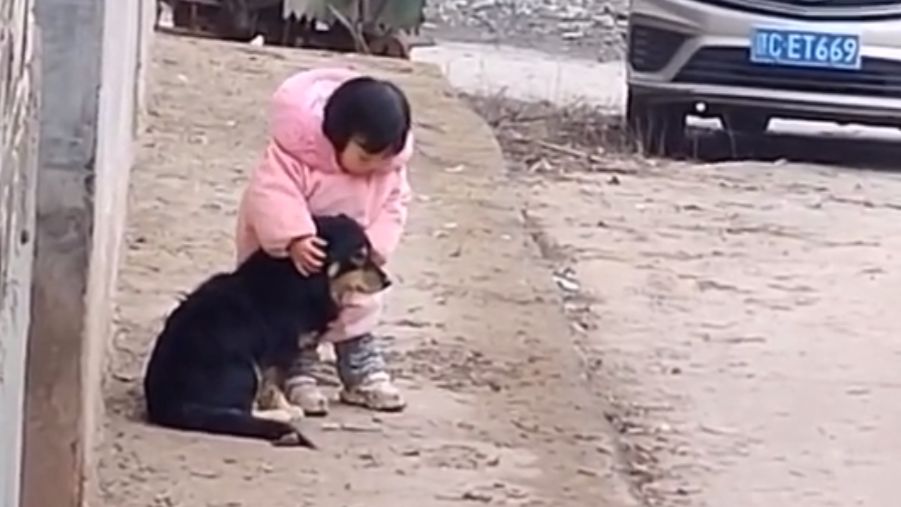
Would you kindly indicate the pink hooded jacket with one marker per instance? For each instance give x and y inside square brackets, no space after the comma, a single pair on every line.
[299,176]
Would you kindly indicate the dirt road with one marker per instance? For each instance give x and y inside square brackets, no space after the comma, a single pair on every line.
[500,411]
[742,311]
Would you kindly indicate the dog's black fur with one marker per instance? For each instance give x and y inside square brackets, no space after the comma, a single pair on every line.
[205,369]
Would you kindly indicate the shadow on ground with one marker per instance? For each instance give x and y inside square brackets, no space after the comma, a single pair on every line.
[831,149]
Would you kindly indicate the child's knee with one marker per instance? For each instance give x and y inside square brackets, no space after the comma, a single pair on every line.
[355,320]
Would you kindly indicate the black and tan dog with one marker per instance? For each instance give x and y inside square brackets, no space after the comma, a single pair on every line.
[214,367]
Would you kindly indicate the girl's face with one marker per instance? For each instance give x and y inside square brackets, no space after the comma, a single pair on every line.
[355,160]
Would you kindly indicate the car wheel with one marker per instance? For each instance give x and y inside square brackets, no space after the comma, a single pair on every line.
[182,16]
[659,129]
[746,122]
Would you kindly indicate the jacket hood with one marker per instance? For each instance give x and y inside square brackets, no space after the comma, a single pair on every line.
[295,119]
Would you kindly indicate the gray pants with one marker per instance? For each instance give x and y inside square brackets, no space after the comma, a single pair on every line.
[357,359]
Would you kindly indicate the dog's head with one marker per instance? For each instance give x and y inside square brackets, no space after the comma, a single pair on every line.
[349,263]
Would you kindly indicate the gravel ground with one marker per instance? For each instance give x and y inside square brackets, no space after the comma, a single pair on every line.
[592,29]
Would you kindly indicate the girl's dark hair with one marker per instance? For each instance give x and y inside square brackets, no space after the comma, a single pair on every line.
[371,112]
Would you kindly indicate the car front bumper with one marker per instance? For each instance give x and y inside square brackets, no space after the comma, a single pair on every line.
[697,51]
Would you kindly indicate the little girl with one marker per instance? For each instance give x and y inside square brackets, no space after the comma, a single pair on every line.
[340,143]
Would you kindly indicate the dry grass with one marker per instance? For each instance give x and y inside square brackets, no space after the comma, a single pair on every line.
[542,137]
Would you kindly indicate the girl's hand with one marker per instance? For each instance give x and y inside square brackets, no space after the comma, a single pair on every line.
[308,254]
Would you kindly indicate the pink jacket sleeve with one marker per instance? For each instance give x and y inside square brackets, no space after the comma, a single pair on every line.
[276,202]
[385,231]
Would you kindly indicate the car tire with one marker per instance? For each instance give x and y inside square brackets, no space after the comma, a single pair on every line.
[181,15]
[745,122]
[658,129]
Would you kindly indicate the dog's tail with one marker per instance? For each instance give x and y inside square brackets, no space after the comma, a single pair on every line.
[230,421]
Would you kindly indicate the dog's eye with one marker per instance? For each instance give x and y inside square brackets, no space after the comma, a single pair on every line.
[359,258]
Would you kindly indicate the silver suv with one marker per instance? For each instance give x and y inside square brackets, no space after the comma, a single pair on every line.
[746,61]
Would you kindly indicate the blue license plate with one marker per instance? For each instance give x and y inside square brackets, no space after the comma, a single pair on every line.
[805,49]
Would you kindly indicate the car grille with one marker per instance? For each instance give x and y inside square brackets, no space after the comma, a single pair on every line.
[650,49]
[732,67]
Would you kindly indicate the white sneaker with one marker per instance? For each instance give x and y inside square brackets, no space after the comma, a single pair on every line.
[375,392]
[304,392]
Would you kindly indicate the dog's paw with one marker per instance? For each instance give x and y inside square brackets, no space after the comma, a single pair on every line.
[295,413]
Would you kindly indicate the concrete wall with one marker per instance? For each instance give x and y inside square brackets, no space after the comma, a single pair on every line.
[18,150]
[92,54]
